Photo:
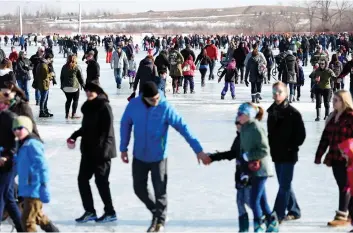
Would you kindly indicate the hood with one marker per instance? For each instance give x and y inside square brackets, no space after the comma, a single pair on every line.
[4,72]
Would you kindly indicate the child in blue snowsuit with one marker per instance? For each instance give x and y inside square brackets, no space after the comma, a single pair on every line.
[242,179]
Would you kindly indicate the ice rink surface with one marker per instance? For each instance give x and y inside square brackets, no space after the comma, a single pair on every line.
[201,199]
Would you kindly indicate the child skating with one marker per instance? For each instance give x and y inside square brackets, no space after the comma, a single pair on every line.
[230,73]
[132,71]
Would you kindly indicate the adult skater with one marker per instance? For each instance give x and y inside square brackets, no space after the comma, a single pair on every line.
[150,114]
[97,148]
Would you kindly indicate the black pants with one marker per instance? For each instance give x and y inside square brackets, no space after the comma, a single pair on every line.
[203,75]
[256,88]
[340,174]
[71,96]
[101,171]
[325,93]
[241,69]
[159,176]
[269,73]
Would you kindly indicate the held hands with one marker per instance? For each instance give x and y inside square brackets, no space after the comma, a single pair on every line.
[206,160]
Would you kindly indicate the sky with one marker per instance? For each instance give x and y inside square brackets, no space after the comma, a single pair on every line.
[129,5]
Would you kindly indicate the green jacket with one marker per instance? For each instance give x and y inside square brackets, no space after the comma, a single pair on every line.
[71,77]
[254,141]
[318,56]
[43,77]
[326,76]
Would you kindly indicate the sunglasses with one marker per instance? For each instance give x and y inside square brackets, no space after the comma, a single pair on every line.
[18,128]
[274,92]
[322,64]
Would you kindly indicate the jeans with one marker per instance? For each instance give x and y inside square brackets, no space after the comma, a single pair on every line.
[292,88]
[225,88]
[258,198]
[212,66]
[118,73]
[285,199]
[187,80]
[305,59]
[7,198]
[203,75]
[297,88]
[43,104]
[140,170]
[156,52]
[243,198]
[23,84]
[37,95]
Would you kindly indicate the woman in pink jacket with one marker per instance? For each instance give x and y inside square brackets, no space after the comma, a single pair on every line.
[188,73]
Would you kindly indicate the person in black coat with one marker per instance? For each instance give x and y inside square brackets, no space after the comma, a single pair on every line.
[286,132]
[7,169]
[239,55]
[146,72]
[187,52]
[162,62]
[93,68]
[97,148]
[242,179]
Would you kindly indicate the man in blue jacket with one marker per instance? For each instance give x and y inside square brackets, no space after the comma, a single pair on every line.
[151,115]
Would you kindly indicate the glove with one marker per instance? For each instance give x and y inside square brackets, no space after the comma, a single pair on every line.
[246,83]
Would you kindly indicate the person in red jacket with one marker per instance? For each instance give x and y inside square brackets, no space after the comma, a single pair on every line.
[189,68]
[13,57]
[212,52]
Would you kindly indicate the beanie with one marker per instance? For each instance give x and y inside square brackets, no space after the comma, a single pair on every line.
[149,89]
[23,121]
[248,110]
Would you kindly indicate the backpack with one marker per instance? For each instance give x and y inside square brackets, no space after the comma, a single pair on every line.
[261,68]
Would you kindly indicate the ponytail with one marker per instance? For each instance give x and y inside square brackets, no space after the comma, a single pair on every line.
[260,113]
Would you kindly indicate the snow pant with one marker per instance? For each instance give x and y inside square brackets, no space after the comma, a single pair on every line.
[243,199]
[225,88]
[159,177]
[212,66]
[258,199]
[118,74]
[340,173]
[255,89]
[241,69]
[43,103]
[188,80]
[7,198]
[323,93]
[33,215]
[101,171]
[203,75]
[23,84]
[71,97]
[285,199]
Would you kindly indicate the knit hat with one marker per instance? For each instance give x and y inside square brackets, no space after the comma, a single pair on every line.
[23,121]
[149,89]
[248,110]
[94,86]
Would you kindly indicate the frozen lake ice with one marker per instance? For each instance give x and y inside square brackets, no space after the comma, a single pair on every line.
[201,199]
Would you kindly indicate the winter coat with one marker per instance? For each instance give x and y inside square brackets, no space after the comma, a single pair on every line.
[318,56]
[326,76]
[239,55]
[7,139]
[43,76]
[230,75]
[336,67]
[212,51]
[162,62]
[119,62]
[93,70]
[283,46]
[186,53]
[97,130]
[189,67]
[333,134]
[146,72]
[204,61]
[269,57]
[175,61]
[260,55]
[241,167]
[35,60]
[23,67]
[254,142]
[290,69]
[71,77]
[6,75]
[150,126]
[32,168]
[286,132]
[2,55]
[22,108]
[252,68]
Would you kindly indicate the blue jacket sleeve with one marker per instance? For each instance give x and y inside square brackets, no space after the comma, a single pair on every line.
[36,151]
[178,123]
[125,129]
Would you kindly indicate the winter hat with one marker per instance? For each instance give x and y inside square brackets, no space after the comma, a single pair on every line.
[248,109]
[94,87]
[149,89]
[23,121]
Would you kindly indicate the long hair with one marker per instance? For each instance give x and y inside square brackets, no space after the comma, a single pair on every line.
[260,113]
[346,99]
[334,58]
[6,64]
[71,61]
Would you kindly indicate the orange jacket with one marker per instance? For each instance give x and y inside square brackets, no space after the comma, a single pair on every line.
[212,51]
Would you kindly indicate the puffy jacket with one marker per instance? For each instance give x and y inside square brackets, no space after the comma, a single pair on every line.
[252,69]
[175,61]
[23,68]
[290,69]
[146,72]
[151,129]
[189,67]
[43,76]
[187,52]
[71,77]
[7,139]
[162,62]
[32,168]
[212,51]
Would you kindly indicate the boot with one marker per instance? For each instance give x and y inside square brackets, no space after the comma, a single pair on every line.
[293,100]
[327,112]
[50,227]
[318,114]
[222,97]
[253,98]
[272,223]
[174,90]
[233,97]
[74,116]
[153,225]
[244,223]
[339,220]
[43,114]
[48,113]
[259,225]
[66,115]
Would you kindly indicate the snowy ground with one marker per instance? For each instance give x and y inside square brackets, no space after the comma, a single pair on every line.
[200,198]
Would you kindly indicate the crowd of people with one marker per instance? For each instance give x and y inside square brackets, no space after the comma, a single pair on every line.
[245,60]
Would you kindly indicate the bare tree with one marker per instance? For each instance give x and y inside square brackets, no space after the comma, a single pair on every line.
[293,21]
[271,21]
[311,10]
[342,7]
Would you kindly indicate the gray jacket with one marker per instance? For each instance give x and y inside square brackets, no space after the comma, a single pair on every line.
[119,62]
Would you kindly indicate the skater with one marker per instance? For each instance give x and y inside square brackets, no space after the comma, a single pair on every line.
[203,62]
[255,149]
[151,137]
[188,73]
[119,64]
[146,72]
[339,127]
[132,71]
[32,165]
[242,178]
[98,149]
[176,72]
[231,74]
